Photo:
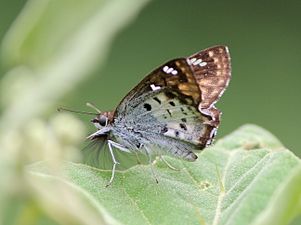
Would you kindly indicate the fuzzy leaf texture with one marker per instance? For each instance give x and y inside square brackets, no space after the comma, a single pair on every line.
[247,177]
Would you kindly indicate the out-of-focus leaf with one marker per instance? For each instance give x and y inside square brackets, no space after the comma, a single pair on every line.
[68,203]
[47,28]
[59,42]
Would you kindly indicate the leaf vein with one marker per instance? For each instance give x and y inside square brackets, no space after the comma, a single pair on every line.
[249,186]
[222,192]
[137,206]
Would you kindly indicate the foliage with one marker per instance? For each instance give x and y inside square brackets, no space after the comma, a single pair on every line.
[237,181]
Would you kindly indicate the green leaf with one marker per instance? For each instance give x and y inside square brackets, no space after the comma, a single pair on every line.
[243,179]
[285,206]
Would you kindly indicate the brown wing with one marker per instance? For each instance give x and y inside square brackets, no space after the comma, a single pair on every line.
[172,95]
[175,75]
[212,70]
[197,81]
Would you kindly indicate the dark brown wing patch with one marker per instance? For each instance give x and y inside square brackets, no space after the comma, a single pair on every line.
[175,75]
[178,76]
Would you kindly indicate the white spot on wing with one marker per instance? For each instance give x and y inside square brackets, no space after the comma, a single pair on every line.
[169,70]
[203,64]
[174,72]
[191,61]
[227,49]
[154,87]
[197,62]
[165,68]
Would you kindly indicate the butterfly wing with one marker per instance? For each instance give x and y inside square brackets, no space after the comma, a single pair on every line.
[175,94]
[175,74]
[175,116]
[212,71]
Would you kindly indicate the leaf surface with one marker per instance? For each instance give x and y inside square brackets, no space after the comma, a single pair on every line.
[233,182]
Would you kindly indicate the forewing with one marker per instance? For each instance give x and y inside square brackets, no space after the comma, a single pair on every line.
[212,70]
[174,75]
[170,95]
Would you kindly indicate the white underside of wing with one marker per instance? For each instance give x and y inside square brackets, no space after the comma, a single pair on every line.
[182,121]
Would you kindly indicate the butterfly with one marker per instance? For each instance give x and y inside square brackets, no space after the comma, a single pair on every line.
[171,111]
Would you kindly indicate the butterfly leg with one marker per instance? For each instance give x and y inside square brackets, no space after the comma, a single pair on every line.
[150,163]
[110,144]
[137,158]
[168,164]
[119,146]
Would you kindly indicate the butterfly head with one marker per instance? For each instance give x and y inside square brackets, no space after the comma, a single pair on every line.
[102,120]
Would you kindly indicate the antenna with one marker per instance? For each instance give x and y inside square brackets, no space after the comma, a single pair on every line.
[89,104]
[75,111]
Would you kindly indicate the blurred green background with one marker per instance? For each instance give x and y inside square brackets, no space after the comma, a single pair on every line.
[264,42]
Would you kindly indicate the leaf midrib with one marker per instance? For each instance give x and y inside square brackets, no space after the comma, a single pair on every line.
[222,192]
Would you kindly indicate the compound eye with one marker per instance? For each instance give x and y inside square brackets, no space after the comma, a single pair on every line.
[103,121]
